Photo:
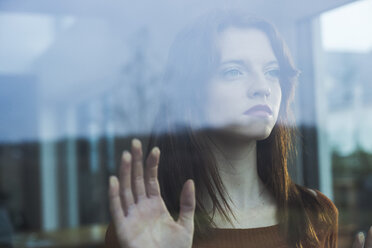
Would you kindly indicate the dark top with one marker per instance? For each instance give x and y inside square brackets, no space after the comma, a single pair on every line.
[260,237]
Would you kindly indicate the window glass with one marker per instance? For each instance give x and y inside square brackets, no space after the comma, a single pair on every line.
[345,109]
[79,81]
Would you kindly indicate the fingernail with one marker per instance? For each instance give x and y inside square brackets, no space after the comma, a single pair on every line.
[192,186]
[155,151]
[361,237]
[136,143]
[113,181]
[126,156]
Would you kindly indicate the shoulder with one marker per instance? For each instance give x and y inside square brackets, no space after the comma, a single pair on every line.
[323,199]
[327,205]
[330,226]
[312,191]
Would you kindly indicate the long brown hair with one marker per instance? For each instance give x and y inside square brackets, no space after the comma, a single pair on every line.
[179,132]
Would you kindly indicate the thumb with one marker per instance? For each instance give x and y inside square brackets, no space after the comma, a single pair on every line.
[187,208]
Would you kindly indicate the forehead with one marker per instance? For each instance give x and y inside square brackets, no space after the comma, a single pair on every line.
[248,44]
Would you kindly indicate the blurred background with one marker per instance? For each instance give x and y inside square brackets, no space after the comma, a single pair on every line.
[80,79]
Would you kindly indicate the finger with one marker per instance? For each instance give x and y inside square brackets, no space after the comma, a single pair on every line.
[151,173]
[368,243]
[187,208]
[116,209]
[138,185]
[126,194]
[358,241]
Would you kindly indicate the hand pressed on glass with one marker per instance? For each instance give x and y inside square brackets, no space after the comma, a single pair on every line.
[139,213]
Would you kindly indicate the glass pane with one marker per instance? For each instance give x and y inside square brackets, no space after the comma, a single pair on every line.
[79,81]
[345,58]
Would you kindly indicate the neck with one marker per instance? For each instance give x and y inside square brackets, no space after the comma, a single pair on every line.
[237,164]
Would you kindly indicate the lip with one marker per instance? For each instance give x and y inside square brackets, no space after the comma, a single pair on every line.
[260,109]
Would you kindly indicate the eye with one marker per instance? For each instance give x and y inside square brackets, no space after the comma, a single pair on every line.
[273,73]
[231,74]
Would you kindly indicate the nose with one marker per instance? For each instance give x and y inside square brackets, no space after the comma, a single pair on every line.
[259,89]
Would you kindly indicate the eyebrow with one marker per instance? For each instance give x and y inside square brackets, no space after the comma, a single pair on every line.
[273,62]
[241,62]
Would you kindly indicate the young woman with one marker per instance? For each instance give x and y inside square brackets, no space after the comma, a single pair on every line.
[225,137]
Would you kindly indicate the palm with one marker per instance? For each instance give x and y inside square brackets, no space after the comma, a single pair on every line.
[150,223]
[139,213]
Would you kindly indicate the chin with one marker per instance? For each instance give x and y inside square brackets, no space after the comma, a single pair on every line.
[263,137]
[242,132]
[257,136]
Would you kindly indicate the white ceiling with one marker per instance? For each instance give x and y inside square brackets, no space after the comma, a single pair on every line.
[291,9]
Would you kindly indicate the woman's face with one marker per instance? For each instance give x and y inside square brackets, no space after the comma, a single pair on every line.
[247,77]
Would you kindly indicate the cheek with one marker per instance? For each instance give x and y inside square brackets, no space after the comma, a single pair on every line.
[277,98]
[224,102]
[226,96]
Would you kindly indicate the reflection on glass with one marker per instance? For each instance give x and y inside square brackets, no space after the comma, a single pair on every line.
[79,81]
[347,54]
[228,130]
